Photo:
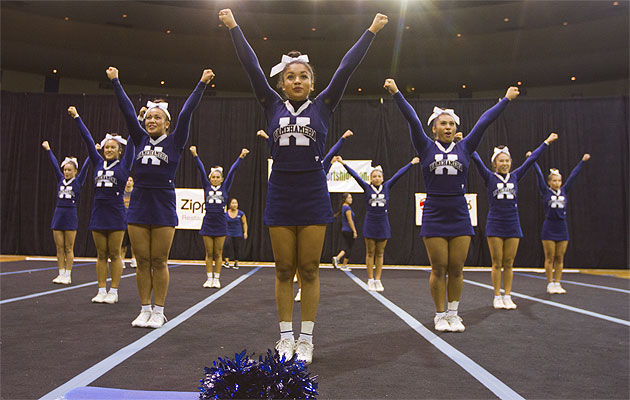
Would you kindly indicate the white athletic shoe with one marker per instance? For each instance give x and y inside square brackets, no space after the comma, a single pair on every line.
[226,264]
[142,319]
[66,280]
[335,262]
[559,288]
[285,348]
[371,285]
[58,279]
[216,283]
[304,351]
[294,278]
[551,288]
[209,282]
[345,268]
[441,324]
[156,320]
[298,296]
[497,303]
[455,321]
[378,285]
[509,304]
[111,298]
[99,298]
[133,263]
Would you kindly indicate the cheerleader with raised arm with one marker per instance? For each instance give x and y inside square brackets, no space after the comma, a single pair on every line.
[65,221]
[503,227]
[108,221]
[555,232]
[214,227]
[298,204]
[446,227]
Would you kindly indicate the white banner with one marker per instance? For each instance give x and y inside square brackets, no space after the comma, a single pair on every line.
[471,199]
[339,180]
[191,208]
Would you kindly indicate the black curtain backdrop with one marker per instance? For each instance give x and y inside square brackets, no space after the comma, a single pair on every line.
[221,127]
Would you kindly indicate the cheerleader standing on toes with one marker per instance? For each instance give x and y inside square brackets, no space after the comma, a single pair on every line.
[298,204]
[65,222]
[236,233]
[555,232]
[376,229]
[503,227]
[151,216]
[348,232]
[446,226]
[108,212]
[214,227]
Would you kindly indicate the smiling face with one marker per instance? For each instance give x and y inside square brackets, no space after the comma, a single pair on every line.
[234,204]
[444,128]
[216,178]
[555,181]
[156,122]
[69,171]
[376,178]
[297,81]
[348,199]
[502,163]
[111,150]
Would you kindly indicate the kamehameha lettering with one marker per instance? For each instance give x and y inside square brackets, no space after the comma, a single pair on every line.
[557,201]
[156,156]
[302,133]
[215,196]
[504,191]
[377,200]
[451,165]
[105,179]
[66,192]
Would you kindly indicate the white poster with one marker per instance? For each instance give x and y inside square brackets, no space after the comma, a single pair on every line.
[191,208]
[471,199]
[339,180]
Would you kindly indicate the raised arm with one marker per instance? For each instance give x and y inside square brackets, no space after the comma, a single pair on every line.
[126,106]
[522,170]
[474,137]
[95,158]
[130,152]
[182,129]
[540,178]
[334,150]
[481,167]
[333,92]
[353,174]
[575,172]
[53,161]
[83,173]
[229,178]
[262,90]
[392,181]
[418,138]
[205,182]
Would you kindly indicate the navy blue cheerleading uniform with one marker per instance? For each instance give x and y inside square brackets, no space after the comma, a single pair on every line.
[156,161]
[376,224]
[331,153]
[214,222]
[445,171]
[108,210]
[503,220]
[297,193]
[555,203]
[65,215]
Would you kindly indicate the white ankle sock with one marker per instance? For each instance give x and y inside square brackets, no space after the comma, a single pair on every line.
[102,290]
[146,308]
[67,272]
[452,308]
[497,297]
[113,290]
[440,314]
[286,330]
[307,331]
[217,276]
[209,275]
[158,309]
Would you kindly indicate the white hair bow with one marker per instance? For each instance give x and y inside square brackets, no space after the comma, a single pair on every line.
[117,138]
[498,151]
[377,168]
[162,106]
[286,60]
[437,111]
[220,169]
[72,160]
[554,171]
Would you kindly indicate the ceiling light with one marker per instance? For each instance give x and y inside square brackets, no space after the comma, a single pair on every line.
[162,82]
[313,29]
[124,15]
[54,71]
[220,25]
[66,18]
[459,35]
[565,23]
[506,19]
[573,78]
[615,3]
[168,31]
[407,27]
[464,86]
[519,83]
[213,85]
[359,90]
[265,38]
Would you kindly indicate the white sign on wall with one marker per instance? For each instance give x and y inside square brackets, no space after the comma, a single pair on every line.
[191,208]
[339,180]
[471,199]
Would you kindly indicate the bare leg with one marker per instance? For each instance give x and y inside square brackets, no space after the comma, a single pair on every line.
[341,254]
[140,237]
[510,246]
[61,254]
[558,259]
[457,253]
[496,253]
[379,255]
[437,249]
[114,241]
[549,247]
[100,241]
[310,241]
[208,242]
[217,252]
[161,241]
[68,237]
[284,245]
[370,251]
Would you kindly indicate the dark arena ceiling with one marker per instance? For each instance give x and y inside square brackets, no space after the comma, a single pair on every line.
[430,45]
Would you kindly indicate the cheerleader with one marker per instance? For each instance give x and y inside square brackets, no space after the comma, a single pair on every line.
[214,227]
[376,229]
[446,227]
[503,228]
[236,233]
[348,232]
[65,222]
[108,212]
[555,232]
[298,204]
[151,216]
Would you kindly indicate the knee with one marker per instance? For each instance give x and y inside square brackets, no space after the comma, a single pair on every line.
[114,255]
[380,253]
[438,271]
[496,266]
[369,253]
[285,272]
[101,255]
[454,273]
[558,259]
[309,274]
[508,263]
[68,248]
